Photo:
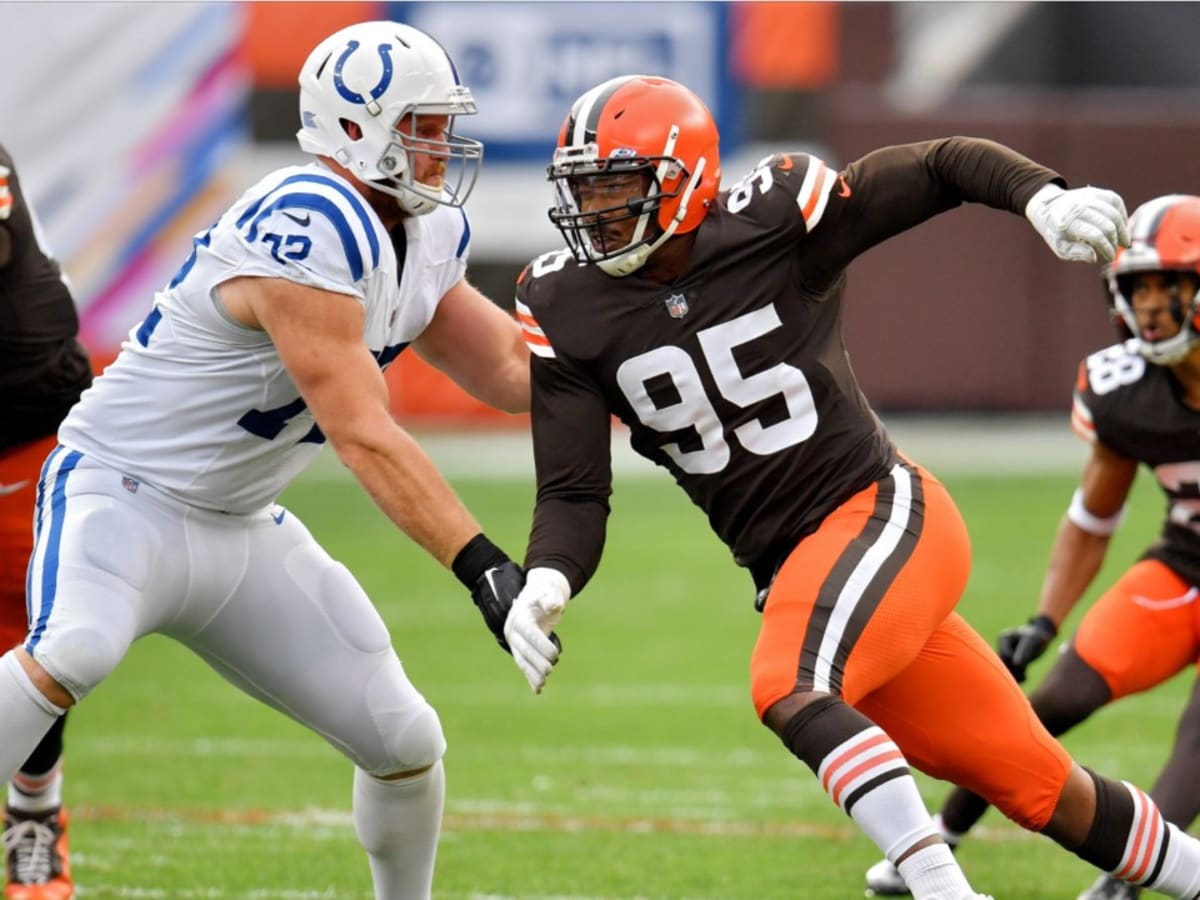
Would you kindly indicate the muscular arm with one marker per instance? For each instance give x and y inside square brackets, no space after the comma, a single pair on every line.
[319,338]
[571,441]
[480,346]
[1077,554]
[895,188]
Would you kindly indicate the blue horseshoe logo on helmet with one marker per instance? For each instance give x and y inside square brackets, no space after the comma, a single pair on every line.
[384,80]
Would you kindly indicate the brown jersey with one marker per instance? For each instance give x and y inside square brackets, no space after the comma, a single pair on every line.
[735,378]
[43,368]
[1136,409]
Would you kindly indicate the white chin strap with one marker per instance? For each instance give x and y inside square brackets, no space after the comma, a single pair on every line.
[1171,351]
[414,201]
[1166,352]
[631,260]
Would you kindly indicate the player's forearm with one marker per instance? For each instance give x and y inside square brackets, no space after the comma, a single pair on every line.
[1075,561]
[568,536]
[984,171]
[503,384]
[405,484]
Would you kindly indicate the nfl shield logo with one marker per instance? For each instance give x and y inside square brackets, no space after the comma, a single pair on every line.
[677,306]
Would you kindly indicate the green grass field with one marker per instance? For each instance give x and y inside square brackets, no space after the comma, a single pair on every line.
[640,772]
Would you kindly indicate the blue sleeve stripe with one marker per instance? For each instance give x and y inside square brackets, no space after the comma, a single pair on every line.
[327,208]
[148,325]
[355,200]
[466,235]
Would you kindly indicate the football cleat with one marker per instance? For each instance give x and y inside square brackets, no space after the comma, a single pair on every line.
[1108,888]
[884,880]
[35,856]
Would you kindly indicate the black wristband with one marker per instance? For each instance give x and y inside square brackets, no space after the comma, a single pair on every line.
[1045,623]
[476,557]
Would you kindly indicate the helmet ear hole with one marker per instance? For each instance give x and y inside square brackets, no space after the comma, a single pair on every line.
[351,129]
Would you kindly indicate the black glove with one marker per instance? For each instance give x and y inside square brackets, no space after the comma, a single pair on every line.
[493,579]
[1020,646]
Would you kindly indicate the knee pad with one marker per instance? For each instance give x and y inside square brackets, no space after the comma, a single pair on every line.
[408,727]
[79,657]
[416,743]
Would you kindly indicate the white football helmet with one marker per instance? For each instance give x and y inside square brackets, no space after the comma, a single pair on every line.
[378,75]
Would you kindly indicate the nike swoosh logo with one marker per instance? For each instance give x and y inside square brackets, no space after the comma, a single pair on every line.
[279,518]
[12,488]
[844,191]
[298,220]
[1167,602]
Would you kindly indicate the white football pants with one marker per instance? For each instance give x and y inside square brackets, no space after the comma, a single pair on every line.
[254,595]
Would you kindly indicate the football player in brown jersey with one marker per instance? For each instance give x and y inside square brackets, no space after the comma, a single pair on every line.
[43,370]
[1137,402]
[708,321]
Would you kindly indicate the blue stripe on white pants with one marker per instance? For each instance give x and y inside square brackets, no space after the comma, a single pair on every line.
[58,468]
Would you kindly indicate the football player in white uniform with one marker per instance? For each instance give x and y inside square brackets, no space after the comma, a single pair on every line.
[156,511]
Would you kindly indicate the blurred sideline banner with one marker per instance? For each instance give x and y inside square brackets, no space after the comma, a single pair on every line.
[122,119]
[422,395]
[527,62]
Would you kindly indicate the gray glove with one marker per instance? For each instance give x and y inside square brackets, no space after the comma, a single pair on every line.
[1086,224]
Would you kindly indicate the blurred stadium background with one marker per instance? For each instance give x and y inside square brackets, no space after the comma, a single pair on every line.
[134,124]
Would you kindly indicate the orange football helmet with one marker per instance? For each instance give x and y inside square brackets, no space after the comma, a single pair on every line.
[1164,237]
[635,124]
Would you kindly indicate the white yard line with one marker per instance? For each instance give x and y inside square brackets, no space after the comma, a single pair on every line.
[271,822]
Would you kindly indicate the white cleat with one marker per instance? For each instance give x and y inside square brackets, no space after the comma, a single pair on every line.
[1108,888]
[884,880]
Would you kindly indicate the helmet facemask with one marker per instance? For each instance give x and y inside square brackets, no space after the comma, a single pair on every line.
[633,123]
[588,233]
[1166,351]
[600,234]
[460,156]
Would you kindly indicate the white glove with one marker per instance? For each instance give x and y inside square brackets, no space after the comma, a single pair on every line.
[1086,224]
[533,616]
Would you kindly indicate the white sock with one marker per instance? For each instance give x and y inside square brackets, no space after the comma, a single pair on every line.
[932,873]
[36,793]
[1179,876]
[398,823]
[25,715]
[868,777]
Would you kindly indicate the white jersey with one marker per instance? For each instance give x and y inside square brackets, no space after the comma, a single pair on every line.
[200,406]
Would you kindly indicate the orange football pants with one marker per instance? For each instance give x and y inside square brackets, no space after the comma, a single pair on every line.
[1142,630]
[20,469]
[863,608]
